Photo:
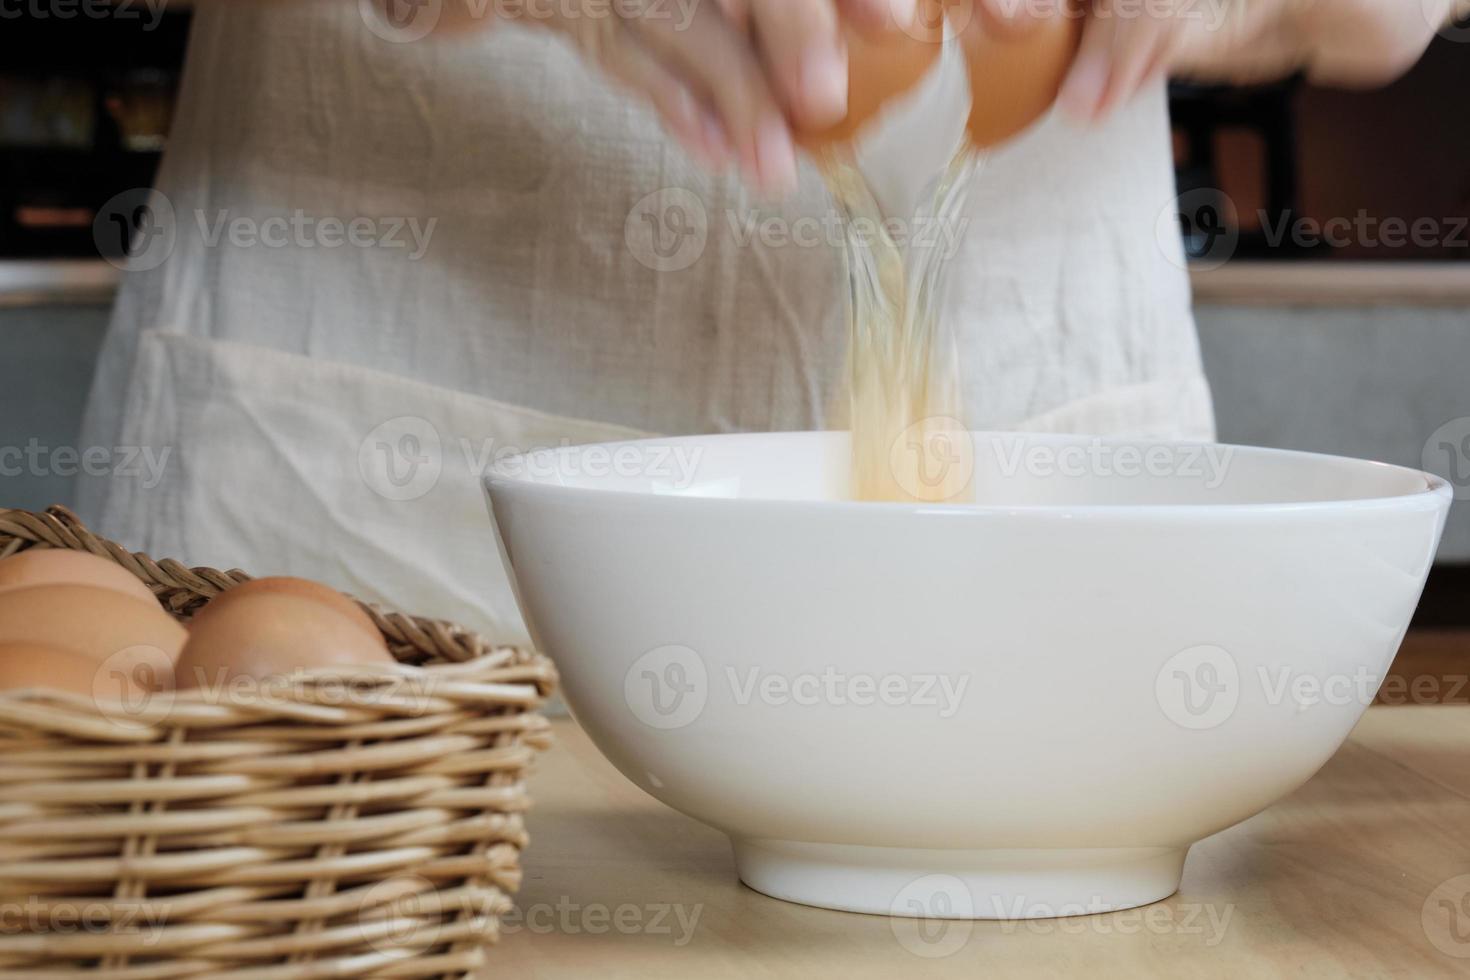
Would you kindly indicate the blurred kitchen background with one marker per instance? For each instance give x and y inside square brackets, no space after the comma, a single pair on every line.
[1342,336]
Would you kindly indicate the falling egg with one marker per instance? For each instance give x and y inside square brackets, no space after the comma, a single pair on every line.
[1014,77]
[265,634]
[133,640]
[882,65]
[61,566]
[305,589]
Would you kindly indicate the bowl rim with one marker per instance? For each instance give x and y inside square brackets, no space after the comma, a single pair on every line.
[1435,492]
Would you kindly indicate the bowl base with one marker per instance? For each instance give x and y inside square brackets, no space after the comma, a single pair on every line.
[1019,883]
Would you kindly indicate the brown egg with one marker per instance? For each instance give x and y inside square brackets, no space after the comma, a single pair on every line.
[1014,79]
[271,634]
[882,66]
[131,639]
[30,665]
[60,566]
[304,589]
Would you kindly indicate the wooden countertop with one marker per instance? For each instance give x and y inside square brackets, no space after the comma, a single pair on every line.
[1357,873]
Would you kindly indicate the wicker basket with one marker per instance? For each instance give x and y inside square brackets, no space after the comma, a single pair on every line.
[312,836]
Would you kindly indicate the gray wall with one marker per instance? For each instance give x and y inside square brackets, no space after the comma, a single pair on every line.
[49,353]
[1374,382]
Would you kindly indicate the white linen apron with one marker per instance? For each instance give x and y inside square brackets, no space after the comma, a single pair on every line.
[327,406]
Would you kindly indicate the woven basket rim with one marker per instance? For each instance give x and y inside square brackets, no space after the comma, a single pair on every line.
[432,656]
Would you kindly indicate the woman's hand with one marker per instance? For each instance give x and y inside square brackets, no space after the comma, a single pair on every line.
[727,78]
[1129,44]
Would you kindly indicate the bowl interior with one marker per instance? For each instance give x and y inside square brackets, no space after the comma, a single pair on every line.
[1007,470]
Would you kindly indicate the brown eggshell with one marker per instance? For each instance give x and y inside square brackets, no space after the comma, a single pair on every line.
[882,65]
[30,665]
[131,639]
[1014,79]
[302,588]
[271,634]
[60,566]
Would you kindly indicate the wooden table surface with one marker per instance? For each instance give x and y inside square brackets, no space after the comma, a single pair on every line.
[1363,872]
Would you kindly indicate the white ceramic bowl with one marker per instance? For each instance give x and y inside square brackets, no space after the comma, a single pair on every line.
[1029,705]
